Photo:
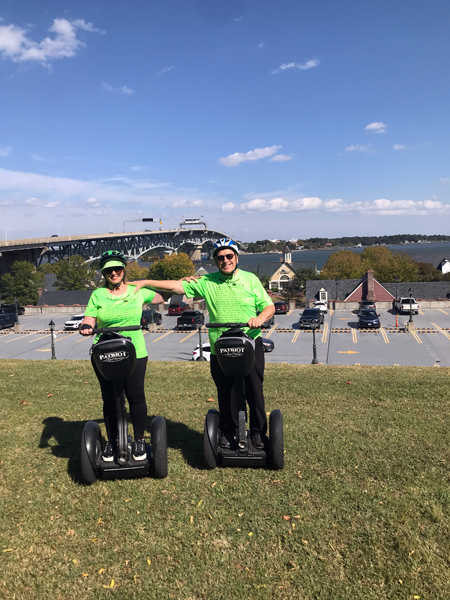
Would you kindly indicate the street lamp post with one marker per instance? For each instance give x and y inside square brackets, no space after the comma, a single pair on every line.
[314,360]
[397,279]
[410,306]
[52,336]
[200,345]
[17,314]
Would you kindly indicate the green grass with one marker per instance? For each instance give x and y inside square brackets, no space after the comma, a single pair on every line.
[361,509]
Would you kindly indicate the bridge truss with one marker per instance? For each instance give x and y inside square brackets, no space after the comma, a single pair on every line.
[132,245]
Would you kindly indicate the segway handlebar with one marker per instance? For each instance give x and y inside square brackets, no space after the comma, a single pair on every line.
[115,329]
[229,325]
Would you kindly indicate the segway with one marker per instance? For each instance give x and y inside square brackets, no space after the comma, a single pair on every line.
[115,357]
[235,352]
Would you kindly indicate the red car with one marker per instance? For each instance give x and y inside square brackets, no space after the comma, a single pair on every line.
[177,308]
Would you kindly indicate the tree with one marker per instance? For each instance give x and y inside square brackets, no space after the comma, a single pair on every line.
[290,291]
[264,279]
[74,273]
[134,271]
[175,267]
[47,268]
[343,265]
[302,275]
[22,283]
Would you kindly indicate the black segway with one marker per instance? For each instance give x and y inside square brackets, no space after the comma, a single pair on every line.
[115,357]
[235,352]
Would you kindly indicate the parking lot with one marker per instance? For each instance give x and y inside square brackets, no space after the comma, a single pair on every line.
[339,342]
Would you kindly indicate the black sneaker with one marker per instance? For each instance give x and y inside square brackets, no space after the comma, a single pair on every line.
[139,451]
[108,452]
[257,442]
[226,440]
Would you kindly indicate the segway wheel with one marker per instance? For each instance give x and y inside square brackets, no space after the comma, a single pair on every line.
[211,438]
[276,440]
[91,448]
[159,447]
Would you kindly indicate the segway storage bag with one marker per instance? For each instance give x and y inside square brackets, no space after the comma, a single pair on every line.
[235,352]
[114,356]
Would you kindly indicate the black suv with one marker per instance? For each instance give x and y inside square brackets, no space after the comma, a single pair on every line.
[151,316]
[280,307]
[311,317]
[11,308]
[191,318]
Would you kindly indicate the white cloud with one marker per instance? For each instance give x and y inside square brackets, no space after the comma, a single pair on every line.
[399,147]
[261,45]
[52,204]
[444,179]
[280,158]
[92,202]
[377,127]
[359,148]
[379,207]
[166,69]
[309,64]
[5,150]
[32,202]
[124,89]
[15,45]
[233,160]
[186,203]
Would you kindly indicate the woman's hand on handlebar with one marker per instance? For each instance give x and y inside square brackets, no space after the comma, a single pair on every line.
[87,326]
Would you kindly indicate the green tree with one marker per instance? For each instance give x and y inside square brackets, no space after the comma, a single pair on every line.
[74,273]
[343,265]
[175,267]
[22,283]
[302,275]
[135,271]
[290,291]
[264,279]
[47,268]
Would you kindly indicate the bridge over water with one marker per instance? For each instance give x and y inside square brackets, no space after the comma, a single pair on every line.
[90,247]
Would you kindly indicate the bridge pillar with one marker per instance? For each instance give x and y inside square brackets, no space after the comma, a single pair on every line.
[196,254]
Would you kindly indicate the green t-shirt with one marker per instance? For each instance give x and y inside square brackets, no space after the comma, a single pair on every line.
[121,311]
[233,299]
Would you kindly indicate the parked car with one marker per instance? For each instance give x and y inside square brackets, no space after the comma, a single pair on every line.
[322,306]
[269,346]
[367,304]
[177,308]
[191,318]
[7,320]
[280,307]
[368,318]
[406,305]
[311,317]
[151,316]
[73,323]
[11,308]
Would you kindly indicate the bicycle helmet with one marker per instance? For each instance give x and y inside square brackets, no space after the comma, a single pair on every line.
[112,258]
[225,243]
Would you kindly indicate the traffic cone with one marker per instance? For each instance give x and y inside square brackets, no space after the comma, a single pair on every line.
[396,320]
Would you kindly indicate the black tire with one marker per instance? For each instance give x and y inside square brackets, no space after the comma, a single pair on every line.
[276,440]
[211,438]
[159,447]
[91,448]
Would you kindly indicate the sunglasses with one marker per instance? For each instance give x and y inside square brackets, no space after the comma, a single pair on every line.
[224,257]
[110,270]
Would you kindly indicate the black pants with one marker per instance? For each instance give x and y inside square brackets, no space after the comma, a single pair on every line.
[229,421]
[134,391]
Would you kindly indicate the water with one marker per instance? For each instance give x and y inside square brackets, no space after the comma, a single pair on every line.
[431,253]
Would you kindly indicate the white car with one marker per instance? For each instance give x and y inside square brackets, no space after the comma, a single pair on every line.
[322,306]
[268,347]
[73,323]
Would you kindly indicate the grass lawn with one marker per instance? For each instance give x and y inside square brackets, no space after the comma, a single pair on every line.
[361,509]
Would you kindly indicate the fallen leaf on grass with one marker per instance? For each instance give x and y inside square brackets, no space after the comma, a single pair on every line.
[191,519]
[25,403]
[8,550]
[111,585]
[84,574]
[293,565]
[250,534]
[199,504]
[240,515]
[348,382]
[94,539]
[210,400]
[101,571]
[49,395]
[128,499]
[286,518]
[75,561]
[149,561]
[136,577]
[304,541]
[214,484]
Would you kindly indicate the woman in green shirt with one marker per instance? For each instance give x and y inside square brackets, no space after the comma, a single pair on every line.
[115,305]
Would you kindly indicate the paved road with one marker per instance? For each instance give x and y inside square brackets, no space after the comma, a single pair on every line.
[339,342]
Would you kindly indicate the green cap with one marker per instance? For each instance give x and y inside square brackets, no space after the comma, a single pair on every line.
[113,263]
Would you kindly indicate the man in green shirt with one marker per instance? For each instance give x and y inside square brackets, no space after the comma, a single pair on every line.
[231,296]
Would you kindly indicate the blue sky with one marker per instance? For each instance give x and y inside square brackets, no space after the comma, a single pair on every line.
[271,119]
